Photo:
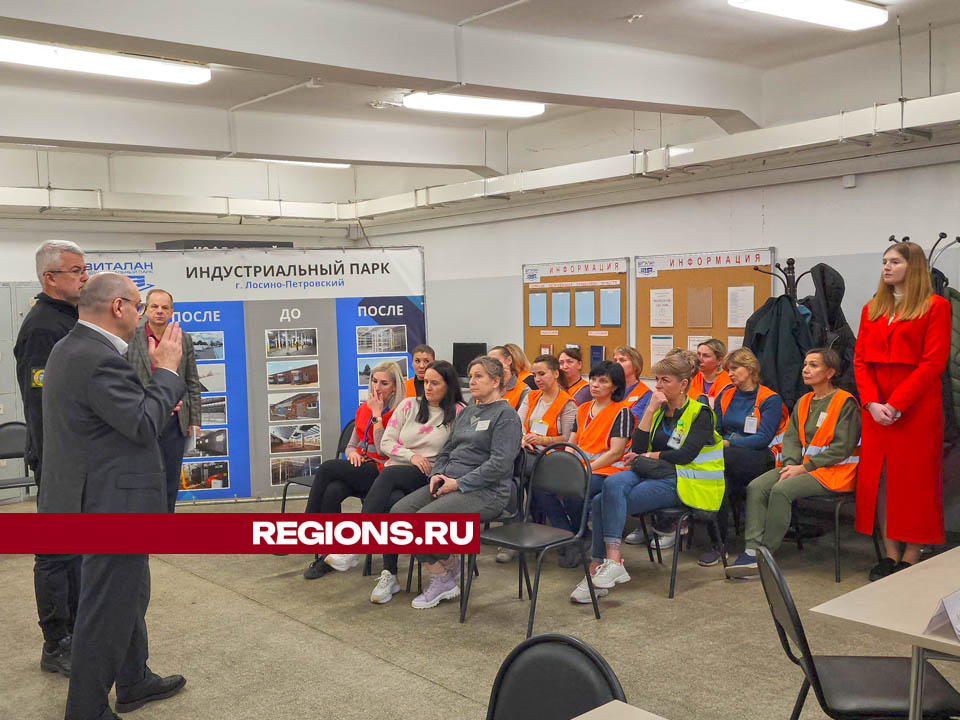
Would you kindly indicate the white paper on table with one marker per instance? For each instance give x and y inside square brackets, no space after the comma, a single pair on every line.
[734,342]
[695,341]
[660,345]
[661,307]
[739,305]
[947,613]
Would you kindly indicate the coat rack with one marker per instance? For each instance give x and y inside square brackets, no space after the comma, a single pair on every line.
[786,275]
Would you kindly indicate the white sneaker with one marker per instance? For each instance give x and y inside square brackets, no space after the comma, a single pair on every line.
[342,562]
[609,574]
[581,593]
[387,587]
[634,538]
[666,542]
[504,555]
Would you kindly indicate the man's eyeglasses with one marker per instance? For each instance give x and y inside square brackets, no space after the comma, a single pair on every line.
[78,271]
[137,304]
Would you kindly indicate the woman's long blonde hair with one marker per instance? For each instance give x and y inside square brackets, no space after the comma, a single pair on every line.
[520,361]
[917,287]
[393,370]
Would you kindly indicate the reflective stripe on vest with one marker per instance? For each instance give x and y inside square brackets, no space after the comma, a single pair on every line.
[700,483]
[763,392]
[842,476]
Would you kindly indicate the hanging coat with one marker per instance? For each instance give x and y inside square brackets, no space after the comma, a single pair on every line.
[828,326]
[900,363]
[779,337]
[953,364]
[951,376]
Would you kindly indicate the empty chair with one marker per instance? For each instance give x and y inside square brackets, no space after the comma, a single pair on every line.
[552,677]
[13,441]
[848,686]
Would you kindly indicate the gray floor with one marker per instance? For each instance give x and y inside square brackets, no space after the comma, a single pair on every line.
[256,640]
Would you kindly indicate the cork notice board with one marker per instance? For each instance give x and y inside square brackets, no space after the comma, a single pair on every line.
[684,299]
[581,303]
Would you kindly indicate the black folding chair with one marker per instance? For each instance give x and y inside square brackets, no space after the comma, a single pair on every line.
[552,677]
[682,514]
[847,686]
[833,502]
[13,443]
[566,474]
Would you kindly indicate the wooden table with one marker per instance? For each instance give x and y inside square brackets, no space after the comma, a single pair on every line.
[616,710]
[899,606]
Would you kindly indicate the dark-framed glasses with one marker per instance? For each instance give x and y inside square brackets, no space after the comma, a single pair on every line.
[136,303]
[75,270]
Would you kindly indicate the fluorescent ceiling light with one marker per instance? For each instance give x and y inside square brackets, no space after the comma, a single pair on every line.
[680,151]
[335,166]
[465,105]
[843,14]
[101,62]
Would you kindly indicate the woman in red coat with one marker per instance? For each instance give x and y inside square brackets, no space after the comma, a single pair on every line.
[901,352]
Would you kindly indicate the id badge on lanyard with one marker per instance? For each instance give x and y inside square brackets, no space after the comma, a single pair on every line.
[676,439]
[750,424]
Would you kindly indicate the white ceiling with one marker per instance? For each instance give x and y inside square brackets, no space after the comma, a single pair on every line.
[705,28]
[232,86]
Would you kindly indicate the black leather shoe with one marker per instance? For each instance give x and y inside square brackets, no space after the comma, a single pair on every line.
[885,567]
[902,566]
[58,660]
[152,687]
[316,569]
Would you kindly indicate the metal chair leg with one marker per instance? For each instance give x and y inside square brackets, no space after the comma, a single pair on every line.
[368,566]
[722,546]
[465,595]
[283,500]
[646,537]
[676,554]
[533,595]
[410,572]
[795,518]
[526,575]
[656,544]
[836,541]
[593,592]
[801,698]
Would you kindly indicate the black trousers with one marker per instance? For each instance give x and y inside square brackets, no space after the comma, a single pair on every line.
[740,467]
[172,444]
[56,584]
[335,481]
[393,483]
[110,638]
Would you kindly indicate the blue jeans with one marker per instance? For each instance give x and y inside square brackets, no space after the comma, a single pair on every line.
[564,513]
[627,494]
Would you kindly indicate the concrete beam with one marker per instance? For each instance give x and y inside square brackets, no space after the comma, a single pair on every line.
[78,120]
[352,42]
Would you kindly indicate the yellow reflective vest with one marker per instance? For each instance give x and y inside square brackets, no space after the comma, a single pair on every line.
[700,483]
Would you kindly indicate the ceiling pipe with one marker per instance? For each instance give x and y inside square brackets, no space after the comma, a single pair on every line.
[312,83]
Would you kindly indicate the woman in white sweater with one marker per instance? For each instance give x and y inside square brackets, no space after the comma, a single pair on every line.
[411,441]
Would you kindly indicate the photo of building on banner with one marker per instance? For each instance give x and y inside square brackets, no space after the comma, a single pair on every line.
[277,338]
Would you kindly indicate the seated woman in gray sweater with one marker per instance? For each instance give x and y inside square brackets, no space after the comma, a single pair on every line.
[472,472]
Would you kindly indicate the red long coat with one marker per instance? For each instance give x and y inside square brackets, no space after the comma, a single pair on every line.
[900,363]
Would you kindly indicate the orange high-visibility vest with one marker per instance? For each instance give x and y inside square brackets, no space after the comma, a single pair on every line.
[636,395]
[575,388]
[841,477]
[720,383]
[763,392]
[516,395]
[594,438]
[550,416]
[523,375]
[411,388]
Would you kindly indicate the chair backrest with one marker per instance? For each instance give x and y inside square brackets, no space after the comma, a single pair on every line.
[552,677]
[787,619]
[563,473]
[13,440]
[345,437]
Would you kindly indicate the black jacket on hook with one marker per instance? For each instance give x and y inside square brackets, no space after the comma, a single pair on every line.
[779,337]
[828,326]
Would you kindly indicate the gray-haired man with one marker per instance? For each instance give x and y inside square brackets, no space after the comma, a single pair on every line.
[56,578]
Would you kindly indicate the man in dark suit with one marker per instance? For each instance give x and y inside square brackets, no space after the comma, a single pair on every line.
[185,421]
[100,455]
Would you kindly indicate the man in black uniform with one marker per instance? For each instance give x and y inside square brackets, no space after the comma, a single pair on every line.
[56,578]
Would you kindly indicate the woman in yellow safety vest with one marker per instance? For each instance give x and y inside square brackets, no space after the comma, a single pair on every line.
[820,455]
[676,458]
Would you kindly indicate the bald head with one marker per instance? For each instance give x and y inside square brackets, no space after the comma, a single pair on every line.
[110,301]
[102,289]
